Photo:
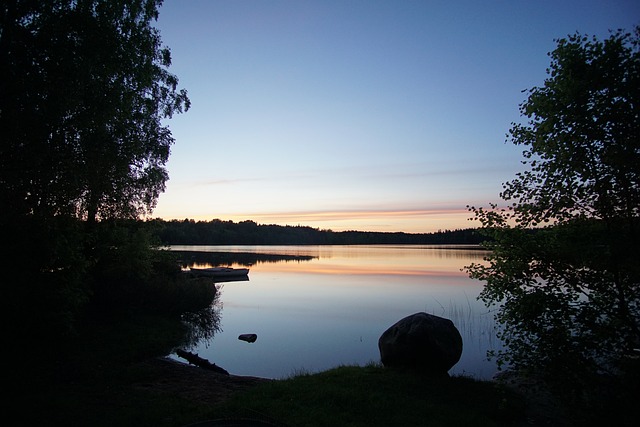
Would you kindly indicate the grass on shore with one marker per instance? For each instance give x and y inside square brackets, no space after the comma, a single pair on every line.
[344,396]
[94,384]
[376,396]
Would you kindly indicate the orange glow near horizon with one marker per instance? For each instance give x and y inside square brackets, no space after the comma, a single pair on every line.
[362,270]
[375,261]
[408,221]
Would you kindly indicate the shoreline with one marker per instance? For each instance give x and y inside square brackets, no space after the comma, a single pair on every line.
[209,387]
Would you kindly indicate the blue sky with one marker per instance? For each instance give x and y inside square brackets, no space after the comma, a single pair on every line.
[356,115]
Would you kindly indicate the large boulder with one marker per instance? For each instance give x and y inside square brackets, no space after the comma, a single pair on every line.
[422,341]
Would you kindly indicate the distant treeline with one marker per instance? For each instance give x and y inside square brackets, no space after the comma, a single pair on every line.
[218,232]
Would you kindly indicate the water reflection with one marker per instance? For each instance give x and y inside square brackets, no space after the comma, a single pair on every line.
[213,258]
[330,306]
[204,324]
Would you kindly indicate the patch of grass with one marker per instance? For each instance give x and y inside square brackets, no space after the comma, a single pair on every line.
[96,382]
[376,396]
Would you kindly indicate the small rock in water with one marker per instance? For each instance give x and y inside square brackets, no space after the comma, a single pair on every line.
[248,337]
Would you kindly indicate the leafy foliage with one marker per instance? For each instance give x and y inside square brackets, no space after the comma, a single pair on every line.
[582,134]
[84,89]
[563,269]
[46,289]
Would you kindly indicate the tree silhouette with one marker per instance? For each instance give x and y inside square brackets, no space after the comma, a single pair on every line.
[83,91]
[563,270]
[84,87]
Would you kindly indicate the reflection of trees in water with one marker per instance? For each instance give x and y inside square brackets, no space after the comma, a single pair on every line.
[188,258]
[204,324]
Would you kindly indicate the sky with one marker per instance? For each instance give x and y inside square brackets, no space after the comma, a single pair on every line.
[357,115]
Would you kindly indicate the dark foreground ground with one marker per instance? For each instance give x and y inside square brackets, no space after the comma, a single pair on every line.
[533,405]
[525,401]
[164,375]
[163,392]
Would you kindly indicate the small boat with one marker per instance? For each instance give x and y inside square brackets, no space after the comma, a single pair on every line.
[219,271]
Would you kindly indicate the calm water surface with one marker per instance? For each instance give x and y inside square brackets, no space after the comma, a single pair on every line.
[330,308]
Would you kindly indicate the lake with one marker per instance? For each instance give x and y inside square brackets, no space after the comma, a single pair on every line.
[318,307]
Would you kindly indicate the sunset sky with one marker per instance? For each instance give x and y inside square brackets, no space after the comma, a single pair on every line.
[357,115]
